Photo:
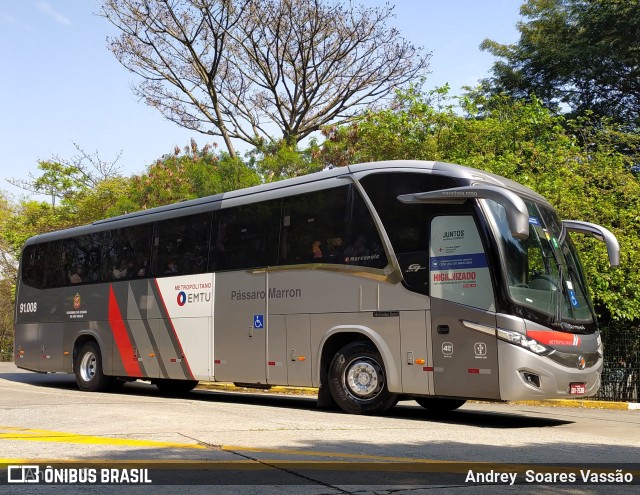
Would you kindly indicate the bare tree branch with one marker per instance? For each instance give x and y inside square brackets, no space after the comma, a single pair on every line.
[241,68]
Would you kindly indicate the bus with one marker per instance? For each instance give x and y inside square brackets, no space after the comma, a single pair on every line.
[375,283]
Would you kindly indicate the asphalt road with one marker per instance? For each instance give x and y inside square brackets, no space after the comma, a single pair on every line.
[252,442]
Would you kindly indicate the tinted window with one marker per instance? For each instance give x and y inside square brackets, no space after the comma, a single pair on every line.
[181,245]
[126,253]
[81,259]
[407,225]
[245,236]
[314,227]
[329,226]
[33,267]
[364,246]
[54,270]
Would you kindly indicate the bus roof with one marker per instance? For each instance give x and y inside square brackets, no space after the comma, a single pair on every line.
[473,176]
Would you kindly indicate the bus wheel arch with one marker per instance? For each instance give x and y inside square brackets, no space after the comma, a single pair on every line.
[88,365]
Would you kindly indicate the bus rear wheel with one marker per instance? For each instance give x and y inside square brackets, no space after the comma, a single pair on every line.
[357,380]
[436,405]
[88,369]
[175,387]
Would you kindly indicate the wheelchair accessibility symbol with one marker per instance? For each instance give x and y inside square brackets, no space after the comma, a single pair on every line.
[258,321]
[573,298]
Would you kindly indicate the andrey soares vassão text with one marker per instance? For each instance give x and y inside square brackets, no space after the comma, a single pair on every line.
[532,476]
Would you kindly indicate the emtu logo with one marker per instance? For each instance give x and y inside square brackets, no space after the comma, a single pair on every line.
[200,297]
[182,298]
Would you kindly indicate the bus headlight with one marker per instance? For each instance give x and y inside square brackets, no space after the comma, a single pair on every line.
[523,341]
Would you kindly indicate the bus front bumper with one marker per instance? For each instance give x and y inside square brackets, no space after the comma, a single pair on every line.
[520,367]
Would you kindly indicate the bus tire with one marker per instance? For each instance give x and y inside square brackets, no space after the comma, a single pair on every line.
[437,405]
[175,387]
[88,369]
[357,380]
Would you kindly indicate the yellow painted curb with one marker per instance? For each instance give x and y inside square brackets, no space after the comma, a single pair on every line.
[588,404]
[12,433]
[275,389]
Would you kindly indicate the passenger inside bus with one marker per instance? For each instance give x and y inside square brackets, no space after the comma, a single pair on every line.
[76,276]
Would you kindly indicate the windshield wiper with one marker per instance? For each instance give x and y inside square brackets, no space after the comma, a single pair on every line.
[557,317]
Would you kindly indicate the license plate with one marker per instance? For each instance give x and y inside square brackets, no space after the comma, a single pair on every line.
[577,388]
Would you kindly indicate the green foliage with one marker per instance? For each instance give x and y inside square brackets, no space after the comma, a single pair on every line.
[186,174]
[33,218]
[7,284]
[528,143]
[575,53]
[278,160]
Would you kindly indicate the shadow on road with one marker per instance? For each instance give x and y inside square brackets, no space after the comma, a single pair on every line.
[404,410]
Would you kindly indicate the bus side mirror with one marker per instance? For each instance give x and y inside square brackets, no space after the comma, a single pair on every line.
[516,210]
[600,233]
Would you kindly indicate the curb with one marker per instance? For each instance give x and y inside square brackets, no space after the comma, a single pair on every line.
[230,387]
[586,404]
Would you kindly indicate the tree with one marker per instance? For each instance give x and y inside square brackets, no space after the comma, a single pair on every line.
[278,161]
[57,180]
[185,174]
[62,179]
[7,284]
[248,69]
[575,164]
[580,54]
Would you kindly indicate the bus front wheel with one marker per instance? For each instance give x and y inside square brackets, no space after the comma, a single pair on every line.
[357,380]
[88,369]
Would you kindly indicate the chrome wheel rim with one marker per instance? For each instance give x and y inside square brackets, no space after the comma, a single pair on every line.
[364,378]
[88,366]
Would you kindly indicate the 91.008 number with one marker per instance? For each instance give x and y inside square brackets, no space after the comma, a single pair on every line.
[28,307]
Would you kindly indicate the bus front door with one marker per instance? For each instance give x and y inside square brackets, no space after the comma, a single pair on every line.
[463,320]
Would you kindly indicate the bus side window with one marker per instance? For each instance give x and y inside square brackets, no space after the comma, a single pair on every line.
[365,246]
[126,253]
[81,257]
[330,226]
[33,267]
[407,225]
[181,245]
[54,268]
[245,236]
[314,227]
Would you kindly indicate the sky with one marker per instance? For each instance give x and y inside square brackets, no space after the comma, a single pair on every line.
[60,85]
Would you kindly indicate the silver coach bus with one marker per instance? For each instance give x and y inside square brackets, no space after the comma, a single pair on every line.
[375,282]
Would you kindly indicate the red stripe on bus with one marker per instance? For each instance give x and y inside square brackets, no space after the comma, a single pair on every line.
[175,334]
[121,337]
[554,338]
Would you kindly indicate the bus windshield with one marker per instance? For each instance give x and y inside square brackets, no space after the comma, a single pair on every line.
[543,272]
